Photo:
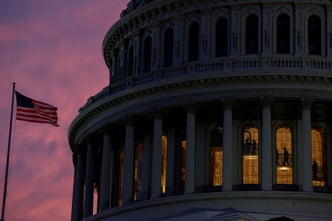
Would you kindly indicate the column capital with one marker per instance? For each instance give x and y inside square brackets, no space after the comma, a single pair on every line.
[266,101]
[306,102]
[191,108]
[190,105]
[128,122]
[91,139]
[107,129]
[227,102]
[156,112]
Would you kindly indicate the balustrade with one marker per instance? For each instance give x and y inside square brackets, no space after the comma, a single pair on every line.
[225,66]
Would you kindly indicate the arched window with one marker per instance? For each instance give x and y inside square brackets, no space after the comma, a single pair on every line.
[138,171]
[314,35]
[250,155]
[283,34]
[163,164]
[221,37]
[318,147]
[116,64]
[284,155]
[251,34]
[193,42]
[130,61]
[147,47]
[216,156]
[168,47]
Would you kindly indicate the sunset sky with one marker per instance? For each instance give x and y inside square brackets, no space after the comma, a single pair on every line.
[52,50]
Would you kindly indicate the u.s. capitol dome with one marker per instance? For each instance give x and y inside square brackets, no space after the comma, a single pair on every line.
[214,110]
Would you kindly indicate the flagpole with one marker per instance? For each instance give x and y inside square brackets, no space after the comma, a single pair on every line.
[7,162]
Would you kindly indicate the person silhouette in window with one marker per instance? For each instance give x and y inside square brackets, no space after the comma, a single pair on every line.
[247,146]
[314,169]
[286,155]
[254,147]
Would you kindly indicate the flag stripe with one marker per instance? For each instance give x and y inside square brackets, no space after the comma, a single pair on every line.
[32,115]
[35,111]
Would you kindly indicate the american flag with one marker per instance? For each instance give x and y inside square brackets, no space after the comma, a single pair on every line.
[35,111]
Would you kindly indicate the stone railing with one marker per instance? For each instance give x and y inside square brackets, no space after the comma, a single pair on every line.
[224,67]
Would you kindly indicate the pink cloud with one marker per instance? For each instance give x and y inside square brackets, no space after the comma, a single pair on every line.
[52,50]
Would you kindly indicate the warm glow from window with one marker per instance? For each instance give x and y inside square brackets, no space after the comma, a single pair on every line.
[216,156]
[284,156]
[138,171]
[183,161]
[216,165]
[250,169]
[250,156]
[318,146]
[164,164]
[120,171]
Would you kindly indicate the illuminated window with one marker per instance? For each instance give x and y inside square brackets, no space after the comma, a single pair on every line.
[164,164]
[216,156]
[250,155]
[120,177]
[138,171]
[221,37]
[318,162]
[284,155]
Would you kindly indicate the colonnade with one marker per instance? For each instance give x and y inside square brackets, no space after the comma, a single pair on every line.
[85,159]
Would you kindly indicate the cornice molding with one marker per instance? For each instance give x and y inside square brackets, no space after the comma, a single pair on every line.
[103,104]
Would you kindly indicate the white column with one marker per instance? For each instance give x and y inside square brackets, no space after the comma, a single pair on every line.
[105,173]
[146,166]
[89,175]
[156,158]
[190,152]
[78,191]
[306,148]
[266,146]
[228,148]
[112,179]
[170,161]
[128,166]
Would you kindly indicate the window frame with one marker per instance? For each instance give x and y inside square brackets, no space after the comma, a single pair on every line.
[315,34]
[251,38]
[224,34]
[193,53]
[278,51]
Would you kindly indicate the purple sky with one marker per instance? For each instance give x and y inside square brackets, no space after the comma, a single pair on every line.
[52,50]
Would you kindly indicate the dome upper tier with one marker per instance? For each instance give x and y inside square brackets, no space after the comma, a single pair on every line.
[168,38]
